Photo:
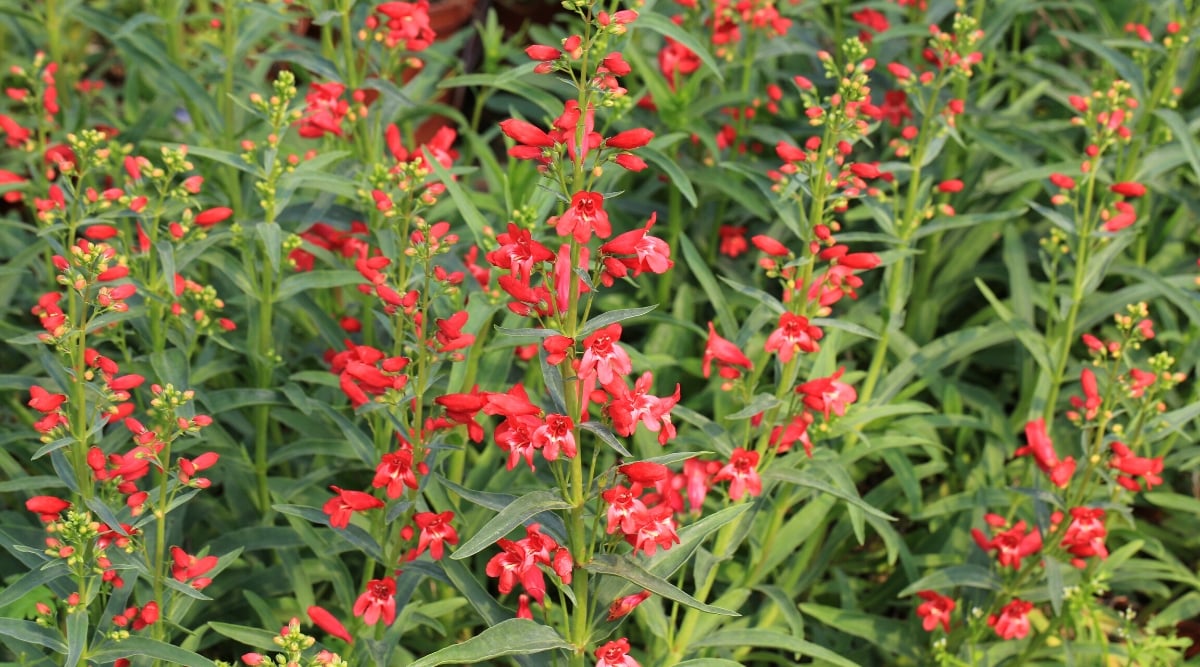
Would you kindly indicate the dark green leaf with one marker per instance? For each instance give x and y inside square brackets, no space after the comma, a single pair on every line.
[612,317]
[623,567]
[515,514]
[516,636]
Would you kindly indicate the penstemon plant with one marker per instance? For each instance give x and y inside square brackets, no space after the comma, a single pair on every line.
[688,333]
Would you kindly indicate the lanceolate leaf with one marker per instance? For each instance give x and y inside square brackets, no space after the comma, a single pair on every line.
[517,512]
[612,317]
[772,639]
[945,579]
[801,478]
[623,567]
[32,633]
[516,636]
[150,648]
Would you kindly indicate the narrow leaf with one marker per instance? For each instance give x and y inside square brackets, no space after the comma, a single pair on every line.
[516,636]
[623,567]
[517,512]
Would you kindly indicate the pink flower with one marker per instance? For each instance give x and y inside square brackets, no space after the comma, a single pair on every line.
[378,601]
[935,610]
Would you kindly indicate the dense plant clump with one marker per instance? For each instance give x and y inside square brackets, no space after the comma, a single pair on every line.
[679,333]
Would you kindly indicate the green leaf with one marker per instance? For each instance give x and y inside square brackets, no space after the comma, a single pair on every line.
[253,637]
[800,478]
[1124,66]
[678,177]
[150,648]
[623,567]
[223,157]
[612,317]
[940,353]
[515,514]
[758,404]
[77,636]
[352,533]
[970,576]
[516,636]
[1029,337]
[470,213]
[467,585]
[1184,136]
[665,27]
[552,524]
[32,580]
[770,639]
[40,483]
[710,662]
[888,634]
[699,268]
[32,633]
[301,282]
[606,436]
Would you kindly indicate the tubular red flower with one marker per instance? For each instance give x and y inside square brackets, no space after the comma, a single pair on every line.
[630,139]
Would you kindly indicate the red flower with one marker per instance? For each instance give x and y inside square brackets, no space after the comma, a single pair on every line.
[615,654]
[516,563]
[827,395]
[329,623]
[449,334]
[212,216]
[1124,460]
[1129,189]
[47,507]
[1085,535]
[603,357]
[727,355]
[793,334]
[525,133]
[325,109]
[630,407]
[377,602]
[1013,621]
[743,474]
[586,215]
[770,246]
[653,254]
[1012,545]
[623,508]
[556,435]
[342,506]
[935,610]
[733,240]
[630,139]
[622,606]
[395,471]
[463,409]
[185,567]
[655,528]
[435,530]
[1042,449]
[43,401]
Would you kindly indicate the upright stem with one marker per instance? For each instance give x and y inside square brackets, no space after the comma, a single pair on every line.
[225,100]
